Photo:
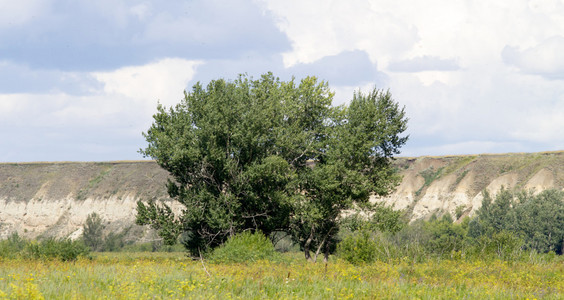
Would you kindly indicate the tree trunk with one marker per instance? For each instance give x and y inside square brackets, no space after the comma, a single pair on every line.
[325,246]
[307,254]
[318,250]
[306,246]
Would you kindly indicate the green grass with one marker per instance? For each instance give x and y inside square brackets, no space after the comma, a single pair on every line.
[175,276]
[429,175]
[459,163]
[92,183]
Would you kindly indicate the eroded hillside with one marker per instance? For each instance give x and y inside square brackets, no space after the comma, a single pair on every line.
[455,183]
[54,199]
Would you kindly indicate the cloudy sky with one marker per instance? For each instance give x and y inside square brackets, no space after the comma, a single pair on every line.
[80,80]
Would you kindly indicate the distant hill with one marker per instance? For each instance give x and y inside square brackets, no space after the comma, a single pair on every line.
[444,184]
[54,199]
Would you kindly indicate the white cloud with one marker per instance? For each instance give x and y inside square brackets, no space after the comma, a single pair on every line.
[104,124]
[472,31]
[475,76]
[424,63]
[445,61]
[317,29]
[164,80]
[11,104]
[545,59]
[542,123]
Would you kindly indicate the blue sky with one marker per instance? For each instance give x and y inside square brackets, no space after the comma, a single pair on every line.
[80,80]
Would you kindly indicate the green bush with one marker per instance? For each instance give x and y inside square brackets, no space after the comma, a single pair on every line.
[358,247]
[283,242]
[383,219]
[444,237]
[12,246]
[63,249]
[245,247]
[113,242]
[503,245]
[92,232]
[540,221]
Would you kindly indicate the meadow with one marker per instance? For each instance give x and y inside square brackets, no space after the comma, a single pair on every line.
[175,276]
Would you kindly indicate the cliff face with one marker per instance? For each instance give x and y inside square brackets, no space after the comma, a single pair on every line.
[54,199]
[450,183]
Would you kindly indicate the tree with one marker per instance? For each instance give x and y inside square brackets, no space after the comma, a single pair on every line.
[540,220]
[267,155]
[493,216]
[354,162]
[92,232]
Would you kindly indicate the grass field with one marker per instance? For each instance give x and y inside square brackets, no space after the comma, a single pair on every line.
[173,276]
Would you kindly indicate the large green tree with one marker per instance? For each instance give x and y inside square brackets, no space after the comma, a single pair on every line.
[270,155]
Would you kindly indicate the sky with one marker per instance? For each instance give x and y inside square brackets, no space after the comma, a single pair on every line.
[80,80]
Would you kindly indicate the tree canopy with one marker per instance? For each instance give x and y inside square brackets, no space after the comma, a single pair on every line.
[538,220]
[269,155]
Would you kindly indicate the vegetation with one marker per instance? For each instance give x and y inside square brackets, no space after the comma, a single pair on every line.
[92,232]
[257,159]
[240,154]
[429,175]
[379,256]
[358,248]
[174,276]
[245,247]
[511,228]
[93,235]
[16,247]
[537,220]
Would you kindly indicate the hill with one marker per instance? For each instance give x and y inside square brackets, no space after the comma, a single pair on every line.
[54,199]
[450,183]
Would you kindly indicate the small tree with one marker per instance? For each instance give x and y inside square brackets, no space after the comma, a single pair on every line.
[92,232]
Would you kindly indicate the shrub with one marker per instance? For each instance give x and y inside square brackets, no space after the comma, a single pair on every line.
[113,242]
[12,246]
[283,242]
[245,247]
[63,249]
[92,232]
[503,245]
[381,218]
[445,237]
[358,247]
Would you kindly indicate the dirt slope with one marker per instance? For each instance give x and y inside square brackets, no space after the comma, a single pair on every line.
[54,199]
[443,184]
